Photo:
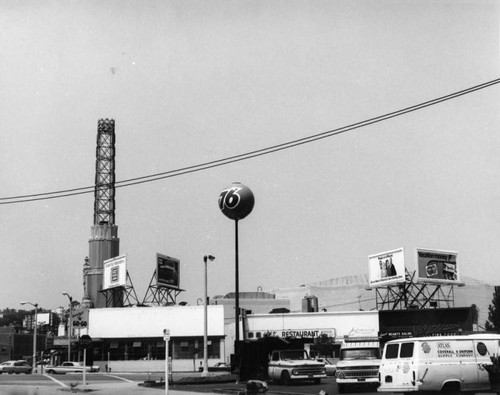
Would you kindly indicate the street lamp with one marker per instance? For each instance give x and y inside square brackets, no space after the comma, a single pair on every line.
[70,318]
[35,305]
[205,329]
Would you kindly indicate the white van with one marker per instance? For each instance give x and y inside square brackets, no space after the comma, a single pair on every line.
[449,364]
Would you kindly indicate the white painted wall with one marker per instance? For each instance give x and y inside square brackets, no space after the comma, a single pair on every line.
[342,322]
[132,322]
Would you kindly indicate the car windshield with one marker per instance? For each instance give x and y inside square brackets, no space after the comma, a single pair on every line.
[359,353]
[298,354]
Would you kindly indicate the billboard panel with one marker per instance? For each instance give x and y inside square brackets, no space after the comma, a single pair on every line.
[436,266]
[425,322]
[386,268]
[115,272]
[167,271]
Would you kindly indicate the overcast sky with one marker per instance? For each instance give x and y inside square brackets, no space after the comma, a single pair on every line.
[189,82]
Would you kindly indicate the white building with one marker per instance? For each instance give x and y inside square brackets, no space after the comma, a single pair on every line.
[131,338]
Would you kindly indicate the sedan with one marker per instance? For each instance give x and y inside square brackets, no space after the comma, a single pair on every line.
[70,367]
[16,367]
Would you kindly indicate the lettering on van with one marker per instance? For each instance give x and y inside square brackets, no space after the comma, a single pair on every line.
[444,350]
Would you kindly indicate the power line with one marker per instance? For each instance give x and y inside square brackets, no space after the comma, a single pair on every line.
[247,155]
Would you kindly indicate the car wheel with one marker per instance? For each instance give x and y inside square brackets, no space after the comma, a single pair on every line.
[451,388]
[50,371]
[285,377]
[11,371]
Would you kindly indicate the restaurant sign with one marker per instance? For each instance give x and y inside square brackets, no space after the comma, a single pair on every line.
[300,333]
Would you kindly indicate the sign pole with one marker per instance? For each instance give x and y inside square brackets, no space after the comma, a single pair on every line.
[166,337]
[84,342]
[84,367]
[236,202]
[237,283]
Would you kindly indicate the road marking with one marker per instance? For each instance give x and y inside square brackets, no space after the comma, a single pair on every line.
[121,378]
[55,380]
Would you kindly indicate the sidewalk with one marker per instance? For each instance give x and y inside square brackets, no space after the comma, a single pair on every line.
[122,387]
[98,389]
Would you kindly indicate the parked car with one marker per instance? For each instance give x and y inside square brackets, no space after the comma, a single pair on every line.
[218,367]
[16,367]
[330,366]
[70,367]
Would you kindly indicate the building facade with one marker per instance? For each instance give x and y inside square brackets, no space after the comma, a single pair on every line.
[131,339]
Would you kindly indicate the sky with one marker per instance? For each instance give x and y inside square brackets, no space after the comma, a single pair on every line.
[189,82]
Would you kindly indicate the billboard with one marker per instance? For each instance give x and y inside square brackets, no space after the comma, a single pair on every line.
[42,319]
[167,271]
[115,272]
[425,322]
[386,268]
[436,266]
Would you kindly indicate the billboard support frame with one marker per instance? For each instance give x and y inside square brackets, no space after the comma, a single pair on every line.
[126,294]
[159,295]
[414,295]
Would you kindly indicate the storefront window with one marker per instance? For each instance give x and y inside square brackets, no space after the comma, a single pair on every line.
[152,349]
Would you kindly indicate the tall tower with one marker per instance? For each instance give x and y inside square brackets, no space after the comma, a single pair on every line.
[104,242]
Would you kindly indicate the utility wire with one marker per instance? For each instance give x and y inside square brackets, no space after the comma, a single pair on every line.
[247,155]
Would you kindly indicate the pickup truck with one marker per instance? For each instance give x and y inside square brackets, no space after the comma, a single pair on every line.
[294,365]
[358,366]
[70,367]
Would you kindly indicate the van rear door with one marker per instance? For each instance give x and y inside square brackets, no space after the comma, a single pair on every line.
[405,372]
[397,371]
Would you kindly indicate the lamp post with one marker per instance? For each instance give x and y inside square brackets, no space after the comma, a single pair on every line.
[205,321]
[35,305]
[70,319]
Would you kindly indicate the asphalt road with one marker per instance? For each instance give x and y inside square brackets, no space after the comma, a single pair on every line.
[130,380]
[305,388]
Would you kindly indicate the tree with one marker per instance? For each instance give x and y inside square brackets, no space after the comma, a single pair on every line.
[323,345]
[13,317]
[493,323]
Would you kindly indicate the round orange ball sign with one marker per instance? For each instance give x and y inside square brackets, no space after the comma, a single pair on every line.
[236,201]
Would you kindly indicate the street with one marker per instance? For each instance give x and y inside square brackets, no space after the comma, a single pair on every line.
[127,383]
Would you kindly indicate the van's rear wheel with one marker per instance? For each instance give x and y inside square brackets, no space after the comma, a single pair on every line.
[451,388]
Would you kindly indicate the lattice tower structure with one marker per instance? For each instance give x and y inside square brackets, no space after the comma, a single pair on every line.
[104,242]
